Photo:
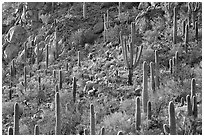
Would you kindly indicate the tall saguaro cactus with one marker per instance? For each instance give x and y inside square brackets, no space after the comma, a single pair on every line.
[189,105]
[84,10]
[102,131]
[149,111]
[175,26]
[16,119]
[119,9]
[56,54]
[60,79]
[92,120]
[36,130]
[57,114]
[79,59]
[193,88]
[152,77]
[183,27]
[172,120]
[194,107]
[47,56]
[171,66]
[138,114]
[74,89]
[133,62]
[145,97]
[186,37]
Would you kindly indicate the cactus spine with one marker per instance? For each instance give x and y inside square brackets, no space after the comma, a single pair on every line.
[149,111]
[47,56]
[186,37]
[92,120]
[193,88]
[102,131]
[36,130]
[175,26]
[10,131]
[57,114]
[60,79]
[74,89]
[189,105]
[152,77]
[172,120]
[156,69]
[138,114]
[84,10]
[16,119]
[145,85]
[133,62]
[194,107]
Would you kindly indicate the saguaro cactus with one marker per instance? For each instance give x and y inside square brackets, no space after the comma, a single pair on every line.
[107,19]
[54,73]
[36,130]
[60,79]
[25,78]
[56,89]
[196,31]
[193,88]
[74,89]
[156,69]
[56,54]
[47,56]
[171,66]
[189,105]
[183,27]
[152,77]
[119,9]
[38,56]
[182,101]
[172,120]
[79,59]
[145,97]
[186,38]
[138,114]
[84,10]
[149,111]
[105,28]
[10,131]
[16,119]
[133,62]
[102,131]
[92,120]
[194,107]
[57,114]
[175,26]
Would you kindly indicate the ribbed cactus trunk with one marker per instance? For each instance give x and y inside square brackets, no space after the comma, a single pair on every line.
[47,56]
[145,96]
[84,10]
[10,131]
[149,110]
[186,38]
[172,119]
[193,88]
[57,114]
[156,69]
[92,120]
[138,114]
[170,66]
[175,26]
[104,27]
[60,79]
[79,59]
[25,78]
[74,86]
[152,77]
[102,131]
[194,107]
[36,130]
[189,105]
[16,119]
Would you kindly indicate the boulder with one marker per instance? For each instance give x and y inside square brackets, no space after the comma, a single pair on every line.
[10,52]
[98,28]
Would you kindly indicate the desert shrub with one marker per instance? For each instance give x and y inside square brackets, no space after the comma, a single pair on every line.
[112,34]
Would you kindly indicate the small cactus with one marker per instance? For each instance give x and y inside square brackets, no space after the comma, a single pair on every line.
[172,120]
[194,107]
[166,129]
[16,119]
[149,111]
[175,26]
[60,79]
[102,131]
[152,77]
[10,131]
[145,85]
[36,130]
[138,114]
[57,114]
[74,85]
[92,120]
[189,105]
[120,133]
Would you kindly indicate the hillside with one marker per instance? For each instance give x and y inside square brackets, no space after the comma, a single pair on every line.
[102,68]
